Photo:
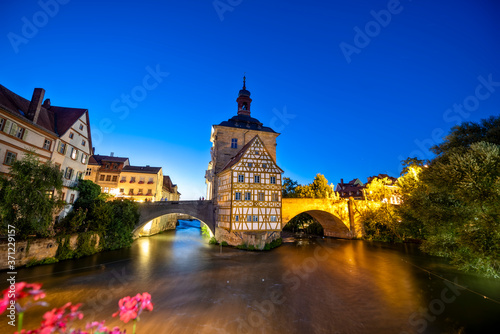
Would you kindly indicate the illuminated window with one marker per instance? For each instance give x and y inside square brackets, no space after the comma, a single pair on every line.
[237,196]
[273,180]
[106,190]
[10,157]
[261,196]
[234,143]
[248,196]
[46,144]
[74,153]
[140,192]
[241,178]
[256,179]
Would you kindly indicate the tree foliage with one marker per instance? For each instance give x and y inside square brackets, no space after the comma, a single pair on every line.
[454,201]
[464,135]
[319,188]
[26,197]
[304,222]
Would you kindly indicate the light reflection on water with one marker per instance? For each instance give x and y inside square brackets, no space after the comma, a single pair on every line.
[308,286]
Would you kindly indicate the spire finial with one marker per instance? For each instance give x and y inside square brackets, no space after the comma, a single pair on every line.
[245,81]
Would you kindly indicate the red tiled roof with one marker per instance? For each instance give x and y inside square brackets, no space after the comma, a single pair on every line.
[54,119]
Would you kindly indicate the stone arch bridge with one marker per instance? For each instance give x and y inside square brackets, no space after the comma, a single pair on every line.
[339,218]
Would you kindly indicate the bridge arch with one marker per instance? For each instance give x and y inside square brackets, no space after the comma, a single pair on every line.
[334,216]
[201,210]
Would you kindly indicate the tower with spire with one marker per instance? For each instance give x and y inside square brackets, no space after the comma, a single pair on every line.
[243,179]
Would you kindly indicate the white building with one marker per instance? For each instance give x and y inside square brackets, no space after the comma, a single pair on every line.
[57,134]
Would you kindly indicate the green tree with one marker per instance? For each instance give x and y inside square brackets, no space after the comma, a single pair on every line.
[26,197]
[462,198]
[467,133]
[124,217]
[288,187]
[319,188]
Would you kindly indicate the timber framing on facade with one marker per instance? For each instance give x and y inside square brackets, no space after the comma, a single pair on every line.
[249,191]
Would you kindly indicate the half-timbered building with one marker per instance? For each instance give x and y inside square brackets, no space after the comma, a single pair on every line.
[250,191]
[243,179]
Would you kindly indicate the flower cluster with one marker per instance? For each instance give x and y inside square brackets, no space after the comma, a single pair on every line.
[59,320]
[130,308]
[22,290]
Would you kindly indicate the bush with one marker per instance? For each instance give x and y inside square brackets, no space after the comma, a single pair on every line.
[212,241]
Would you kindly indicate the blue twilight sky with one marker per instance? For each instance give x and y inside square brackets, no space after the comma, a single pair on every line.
[352,86]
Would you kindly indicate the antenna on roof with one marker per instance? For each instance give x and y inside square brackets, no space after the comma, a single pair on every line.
[244,80]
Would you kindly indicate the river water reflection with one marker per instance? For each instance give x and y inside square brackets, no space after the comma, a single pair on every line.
[306,286]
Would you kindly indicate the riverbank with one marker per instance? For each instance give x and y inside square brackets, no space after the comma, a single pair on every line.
[307,286]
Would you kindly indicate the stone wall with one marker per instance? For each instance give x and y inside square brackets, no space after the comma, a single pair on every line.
[38,249]
[160,224]
[256,239]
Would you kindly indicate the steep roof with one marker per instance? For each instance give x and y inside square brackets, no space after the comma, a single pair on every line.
[234,160]
[51,118]
[141,169]
[97,159]
[246,122]
[168,185]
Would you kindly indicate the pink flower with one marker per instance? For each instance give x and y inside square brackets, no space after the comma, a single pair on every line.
[57,319]
[130,308]
[20,291]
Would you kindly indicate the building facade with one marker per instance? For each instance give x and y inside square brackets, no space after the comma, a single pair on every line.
[60,135]
[118,178]
[243,179]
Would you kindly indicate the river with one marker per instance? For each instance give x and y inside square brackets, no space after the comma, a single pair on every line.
[305,286]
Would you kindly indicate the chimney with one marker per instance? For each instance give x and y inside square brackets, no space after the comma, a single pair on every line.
[35,104]
[93,150]
[112,154]
[341,181]
[46,104]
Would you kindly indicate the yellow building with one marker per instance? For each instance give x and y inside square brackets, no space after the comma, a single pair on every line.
[243,179]
[57,134]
